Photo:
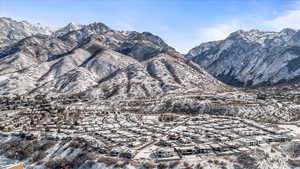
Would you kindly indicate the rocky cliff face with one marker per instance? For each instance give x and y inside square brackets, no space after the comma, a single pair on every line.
[98,61]
[251,58]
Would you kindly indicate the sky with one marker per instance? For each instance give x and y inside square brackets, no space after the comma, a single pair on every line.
[183,24]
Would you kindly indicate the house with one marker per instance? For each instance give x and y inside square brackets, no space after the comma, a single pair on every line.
[164,153]
[249,142]
[183,140]
[163,143]
[233,144]
[277,138]
[202,148]
[167,117]
[126,153]
[114,152]
[173,136]
[102,150]
[218,147]
[186,150]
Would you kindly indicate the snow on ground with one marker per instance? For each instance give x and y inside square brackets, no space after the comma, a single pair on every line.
[295,130]
[6,162]
[146,152]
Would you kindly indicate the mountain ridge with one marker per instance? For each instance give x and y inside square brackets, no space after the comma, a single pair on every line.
[13,31]
[251,58]
[99,62]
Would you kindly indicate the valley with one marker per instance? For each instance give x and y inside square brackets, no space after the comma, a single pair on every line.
[88,96]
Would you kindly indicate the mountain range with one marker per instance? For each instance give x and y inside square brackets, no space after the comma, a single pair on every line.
[94,60]
[100,62]
[252,58]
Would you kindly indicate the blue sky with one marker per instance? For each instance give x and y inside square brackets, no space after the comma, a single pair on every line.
[183,24]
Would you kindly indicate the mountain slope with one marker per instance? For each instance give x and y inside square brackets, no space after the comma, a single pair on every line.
[251,58]
[98,61]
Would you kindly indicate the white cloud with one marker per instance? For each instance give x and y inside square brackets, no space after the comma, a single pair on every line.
[124,26]
[289,20]
[127,27]
[217,32]
[285,19]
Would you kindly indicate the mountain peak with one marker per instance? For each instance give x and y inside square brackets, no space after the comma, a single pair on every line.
[288,31]
[74,26]
[68,28]
[253,35]
[98,27]
[13,31]
[133,35]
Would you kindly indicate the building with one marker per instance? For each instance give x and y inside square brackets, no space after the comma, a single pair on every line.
[277,138]
[164,153]
[186,150]
[167,117]
[202,148]
[126,153]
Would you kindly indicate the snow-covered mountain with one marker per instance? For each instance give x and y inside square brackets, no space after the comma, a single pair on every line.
[70,27]
[98,61]
[251,58]
[12,31]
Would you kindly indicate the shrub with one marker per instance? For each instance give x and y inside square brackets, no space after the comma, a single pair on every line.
[162,166]
[187,165]
[58,164]
[174,164]
[77,143]
[149,165]
[37,156]
[92,155]
[122,164]
[108,160]
[198,166]
[222,163]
